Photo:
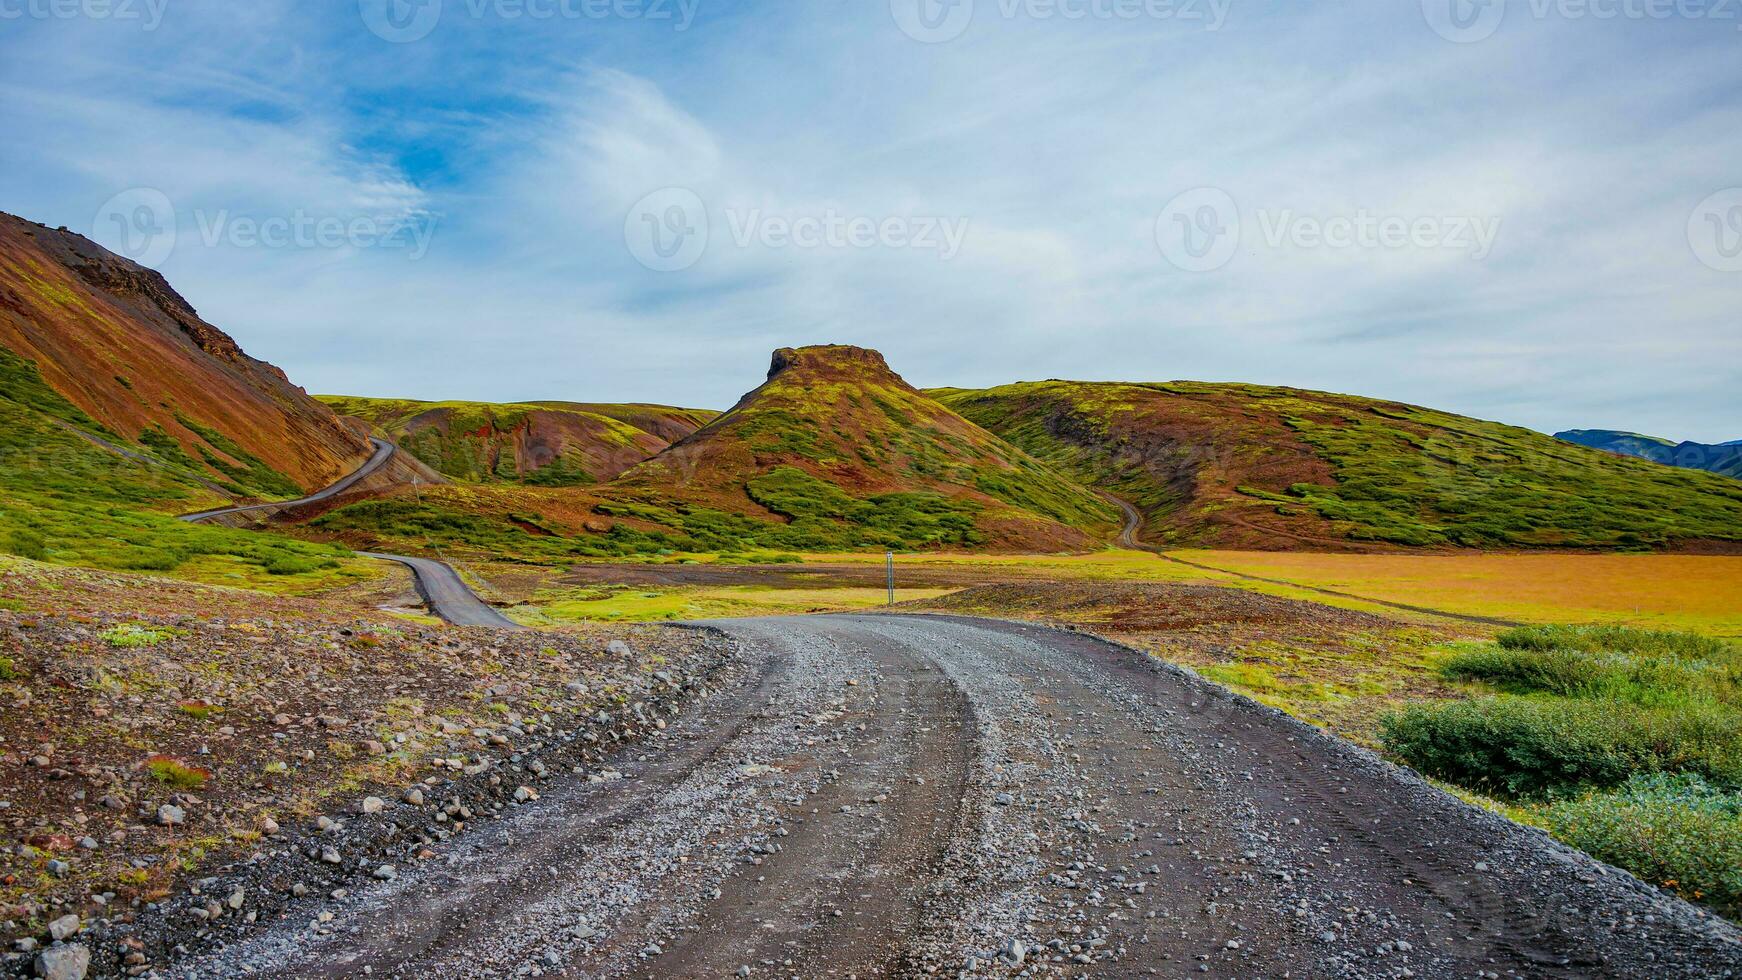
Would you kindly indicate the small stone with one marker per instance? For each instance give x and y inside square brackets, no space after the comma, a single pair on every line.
[617,648]
[386,872]
[59,869]
[1014,952]
[1003,799]
[525,794]
[373,804]
[64,963]
[237,899]
[414,796]
[64,928]
[169,815]
[373,748]
[330,855]
[268,826]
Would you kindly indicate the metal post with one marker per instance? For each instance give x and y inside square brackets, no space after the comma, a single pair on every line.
[889,558]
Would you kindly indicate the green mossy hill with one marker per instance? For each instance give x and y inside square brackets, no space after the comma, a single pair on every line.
[66,499]
[1244,465]
[539,444]
[841,417]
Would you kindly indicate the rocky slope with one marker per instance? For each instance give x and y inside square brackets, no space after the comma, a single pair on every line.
[1244,466]
[113,339]
[540,444]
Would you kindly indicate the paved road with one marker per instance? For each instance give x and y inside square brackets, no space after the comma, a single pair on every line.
[901,796]
[448,595]
[384,451]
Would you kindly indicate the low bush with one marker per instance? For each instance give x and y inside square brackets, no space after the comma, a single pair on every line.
[27,544]
[1646,679]
[133,635]
[1615,639]
[1527,746]
[8,670]
[1678,832]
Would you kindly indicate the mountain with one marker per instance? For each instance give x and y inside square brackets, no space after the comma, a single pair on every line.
[838,444]
[539,444]
[1244,466]
[1724,458]
[120,407]
[115,341]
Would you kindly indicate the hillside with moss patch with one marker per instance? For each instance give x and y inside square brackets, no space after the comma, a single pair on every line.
[836,440]
[540,444]
[1246,466]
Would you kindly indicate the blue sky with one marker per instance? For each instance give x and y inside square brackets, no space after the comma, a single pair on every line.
[1549,196]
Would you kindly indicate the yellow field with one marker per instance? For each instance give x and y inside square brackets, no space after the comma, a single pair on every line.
[660,604]
[1702,593]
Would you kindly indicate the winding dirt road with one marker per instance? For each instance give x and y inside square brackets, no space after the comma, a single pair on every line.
[384,451]
[447,595]
[904,796]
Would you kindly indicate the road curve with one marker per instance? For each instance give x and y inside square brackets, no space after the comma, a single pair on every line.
[912,796]
[384,451]
[447,594]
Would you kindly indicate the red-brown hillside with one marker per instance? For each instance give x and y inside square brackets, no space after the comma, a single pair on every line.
[115,340]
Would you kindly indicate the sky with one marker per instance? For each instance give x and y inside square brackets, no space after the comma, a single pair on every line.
[1522,210]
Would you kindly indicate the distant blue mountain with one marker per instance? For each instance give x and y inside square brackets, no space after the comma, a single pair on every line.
[1723,458]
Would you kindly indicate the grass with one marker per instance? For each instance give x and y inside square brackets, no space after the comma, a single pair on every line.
[1683,593]
[66,500]
[9,670]
[618,604]
[176,774]
[135,635]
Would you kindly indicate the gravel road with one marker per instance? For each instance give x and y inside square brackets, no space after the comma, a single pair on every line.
[384,451]
[896,796]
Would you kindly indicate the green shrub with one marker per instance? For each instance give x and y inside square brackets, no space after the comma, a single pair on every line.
[27,544]
[1639,679]
[1678,832]
[8,670]
[1522,747]
[1614,639]
[134,635]
[298,565]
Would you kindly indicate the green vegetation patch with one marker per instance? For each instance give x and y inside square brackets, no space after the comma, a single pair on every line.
[67,500]
[1625,743]
[1678,832]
